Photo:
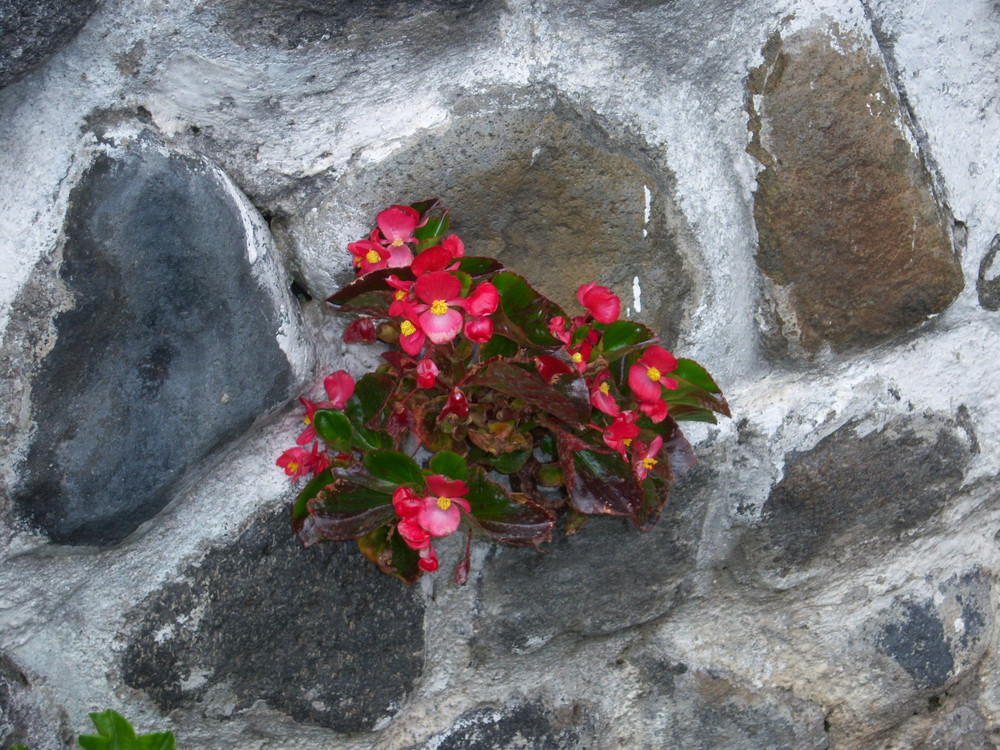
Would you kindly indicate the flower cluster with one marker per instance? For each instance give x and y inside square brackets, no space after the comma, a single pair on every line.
[495,412]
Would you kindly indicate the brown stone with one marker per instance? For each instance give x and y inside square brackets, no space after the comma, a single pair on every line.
[854,245]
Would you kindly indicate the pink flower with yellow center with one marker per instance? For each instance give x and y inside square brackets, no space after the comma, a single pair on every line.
[298,462]
[440,514]
[441,293]
[600,395]
[397,224]
[648,375]
[411,334]
[368,256]
[620,433]
[644,459]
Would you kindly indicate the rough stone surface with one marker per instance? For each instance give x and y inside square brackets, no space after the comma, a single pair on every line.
[517,614]
[861,492]
[32,30]
[988,282]
[319,634]
[158,360]
[25,717]
[540,186]
[529,725]
[853,243]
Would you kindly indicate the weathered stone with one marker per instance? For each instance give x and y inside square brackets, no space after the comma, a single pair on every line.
[27,718]
[854,245]
[988,283]
[362,23]
[915,639]
[319,634]
[859,492]
[609,576]
[32,30]
[696,710]
[159,360]
[529,725]
[548,192]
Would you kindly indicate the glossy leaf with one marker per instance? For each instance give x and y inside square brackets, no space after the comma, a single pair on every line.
[654,497]
[475,266]
[509,463]
[395,467]
[695,374]
[497,346]
[369,293]
[517,382]
[504,517]
[343,510]
[371,392]
[318,482]
[115,733]
[449,464]
[624,333]
[334,427]
[390,553]
[434,228]
[425,206]
[525,312]
[604,484]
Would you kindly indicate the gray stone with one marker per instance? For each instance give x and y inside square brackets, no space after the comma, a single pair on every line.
[860,492]
[915,639]
[32,30]
[318,634]
[853,241]
[988,283]
[528,725]
[519,613]
[159,359]
[27,718]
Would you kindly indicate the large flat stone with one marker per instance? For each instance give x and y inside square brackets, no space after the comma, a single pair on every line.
[853,242]
[32,30]
[319,634]
[525,725]
[158,361]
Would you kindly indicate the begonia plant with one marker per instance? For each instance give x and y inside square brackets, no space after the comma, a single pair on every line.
[495,413]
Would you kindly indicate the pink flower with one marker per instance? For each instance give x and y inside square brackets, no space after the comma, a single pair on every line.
[435,258]
[647,375]
[551,368]
[339,387]
[411,335]
[440,514]
[580,355]
[368,256]
[620,433]
[298,462]
[406,502]
[483,300]
[600,302]
[309,433]
[415,535]
[643,459]
[428,561]
[441,292]
[479,330]
[454,245]
[600,395]
[557,327]
[427,373]
[397,224]
[655,410]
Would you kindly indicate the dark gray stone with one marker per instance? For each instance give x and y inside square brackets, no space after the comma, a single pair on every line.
[988,283]
[318,634]
[852,491]
[915,639]
[362,23]
[160,360]
[32,30]
[529,725]
[606,578]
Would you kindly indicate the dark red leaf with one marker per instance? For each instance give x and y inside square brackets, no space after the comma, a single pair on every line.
[604,485]
[506,517]
[515,381]
[390,553]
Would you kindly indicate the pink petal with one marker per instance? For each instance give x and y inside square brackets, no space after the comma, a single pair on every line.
[483,300]
[643,388]
[427,373]
[434,258]
[601,303]
[655,410]
[397,223]
[441,486]
[660,358]
[454,245]
[441,328]
[400,256]
[413,343]
[406,502]
[479,330]
[415,536]
[437,285]
[428,561]
[339,387]
[551,367]
[437,521]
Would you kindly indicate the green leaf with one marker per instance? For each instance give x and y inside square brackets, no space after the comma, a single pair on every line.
[624,333]
[504,517]
[525,312]
[117,734]
[450,465]
[497,346]
[433,229]
[425,206]
[517,382]
[695,374]
[550,475]
[334,427]
[476,267]
[308,492]
[509,463]
[18,747]
[466,282]
[390,553]
[395,467]
[370,393]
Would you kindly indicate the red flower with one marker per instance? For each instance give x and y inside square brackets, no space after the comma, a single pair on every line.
[428,561]
[309,433]
[479,330]
[655,410]
[620,433]
[483,300]
[361,330]
[411,335]
[406,502]
[298,462]
[457,404]
[435,258]
[339,387]
[647,375]
[441,292]
[600,395]
[643,459]
[600,302]
[427,373]
[454,245]
[551,368]
[368,256]
[440,514]
[397,224]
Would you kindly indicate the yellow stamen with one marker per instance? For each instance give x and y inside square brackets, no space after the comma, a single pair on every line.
[626,442]
[577,357]
[653,374]
[604,388]
[649,463]
[373,257]
[357,261]
[399,294]
[439,307]
[396,243]
[444,503]
[293,466]
[307,420]
[407,328]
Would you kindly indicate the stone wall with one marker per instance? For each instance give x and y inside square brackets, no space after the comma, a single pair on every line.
[801,195]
